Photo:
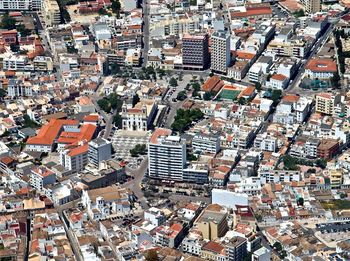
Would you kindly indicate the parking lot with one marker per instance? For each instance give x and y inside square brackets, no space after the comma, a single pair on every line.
[123,142]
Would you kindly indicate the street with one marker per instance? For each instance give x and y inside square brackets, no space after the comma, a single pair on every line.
[145,7]
[135,184]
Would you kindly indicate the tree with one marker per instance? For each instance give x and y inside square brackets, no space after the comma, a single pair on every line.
[242,101]
[299,13]
[116,7]
[7,22]
[335,80]
[139,149]
[115,68]
[3,93]
[173,82]
[276,95]
[23,30]
[135,100]
[258,86]
[300,201]
[28,122]
[208,96]
[118,121]
[321,163]
[104,105]
[102,11]
[184,119]
[181,96]
[277,246]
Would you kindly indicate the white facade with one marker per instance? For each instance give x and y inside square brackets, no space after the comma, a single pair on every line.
[167,158]
[73,162]
[21,5]
[206,143]
[155,216]
[19,89]
[266,142]
[220,52]
[228,199]
[99,150]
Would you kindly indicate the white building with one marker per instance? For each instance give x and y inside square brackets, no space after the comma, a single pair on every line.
[266,142]
[202,142]
[99,150]
[103,202]
[15,63]
[74,158]
[167,156]
[228,199]
[41,177]
[155,216]
[220,52]
[140,117]
[20,5]
[262,254]
[19,88]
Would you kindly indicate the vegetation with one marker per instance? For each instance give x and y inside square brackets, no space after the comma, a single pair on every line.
[181,96]
[191,157]
[341,55]
[116,7]
[151,255]
[23,30]
[336,204]
[114,68]
[208,96]
[28,122]
[112,102]
[173,82]
[184,119]
[3,93]
[276,95]
[299,13]
[7,22]
[300,201]
[258,86]
[290,163]
[196,88]
[335,80]
[139,149]
[242,101]
[135,99]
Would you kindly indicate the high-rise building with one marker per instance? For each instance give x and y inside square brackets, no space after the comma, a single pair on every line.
[220,52]
[312,6]
[167,156]
[195,52]
[99,150]
[51,13]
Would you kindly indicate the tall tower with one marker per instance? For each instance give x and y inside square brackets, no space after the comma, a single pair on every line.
[220,52]
[195,51]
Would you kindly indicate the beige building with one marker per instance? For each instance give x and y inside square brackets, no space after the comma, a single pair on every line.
[312,6]
[212,222]
[326,103]
[51,13]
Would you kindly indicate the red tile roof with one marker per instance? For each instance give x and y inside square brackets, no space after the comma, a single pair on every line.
[49,132]
[279,77]
[213,247]
[322,65]
[158,133]
[214,84]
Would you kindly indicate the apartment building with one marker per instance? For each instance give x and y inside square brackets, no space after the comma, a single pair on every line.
[220,52]
[99,150]
[212,222]
[19,88]
[51,13]
[75,157]
[195,52]
[20,5]
[41,177]
[236,249]
[311,6]
[327,102]
[167,156]
[203,142]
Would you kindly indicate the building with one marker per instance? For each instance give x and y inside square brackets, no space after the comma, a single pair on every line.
[41,177]
[311,6]
[103,202]
[262,254]
[228,199]
[167,156]
[212,222]
[140,117]
[18,88]
[326,103]
[74,157]
[20,5]
[99,150]
[321,69]
[208,143]
[155,216]
[328,148]
[220,52]
[195,52]
[236,249]
[51,13]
